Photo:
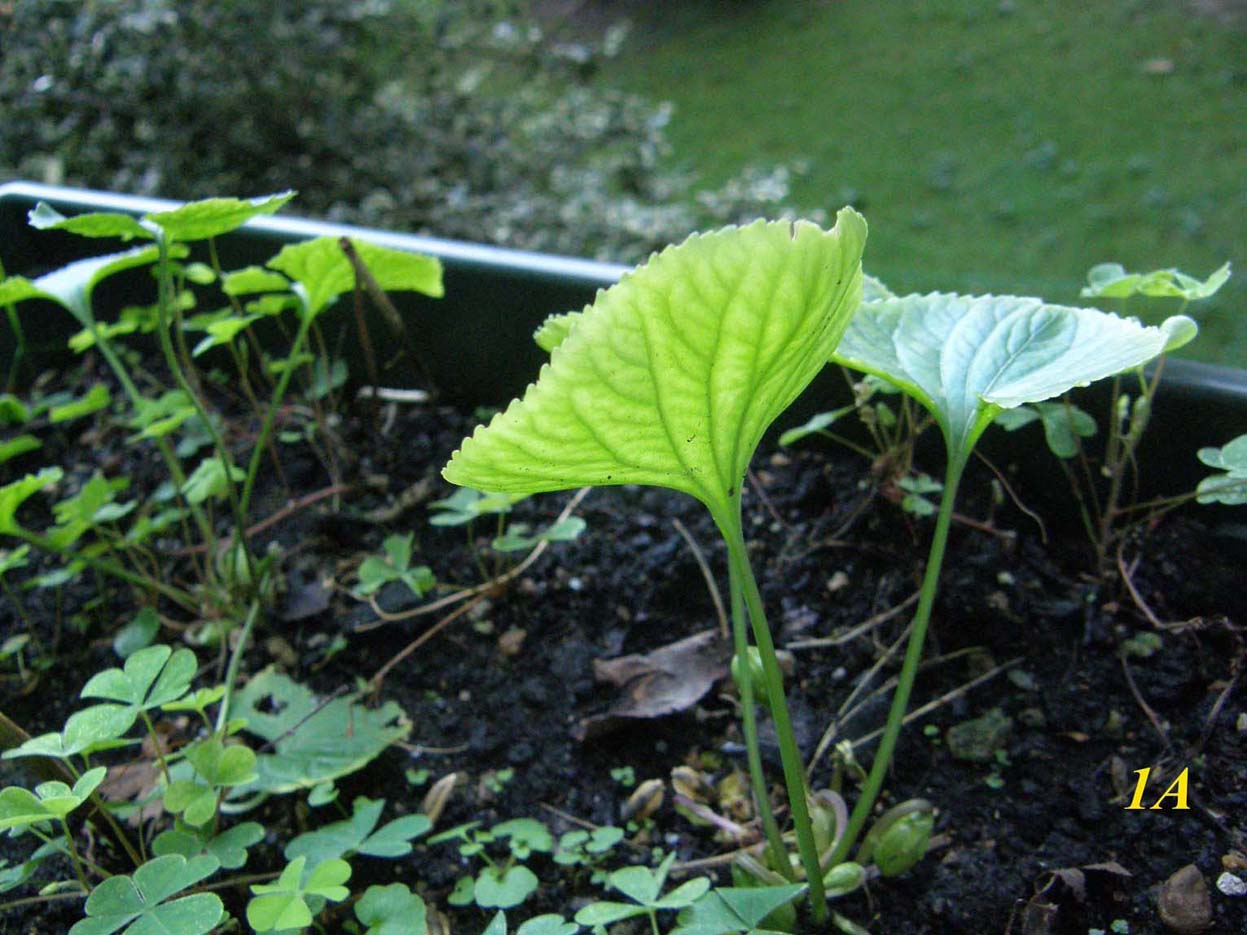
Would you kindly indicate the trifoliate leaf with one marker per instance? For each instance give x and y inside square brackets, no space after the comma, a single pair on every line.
[735,910]
[1111,281]
[93,224]
[504,888]
[356,835]
[965,358]
[212,217]
[140,904]
[326,272]
[151,677]
[671,377]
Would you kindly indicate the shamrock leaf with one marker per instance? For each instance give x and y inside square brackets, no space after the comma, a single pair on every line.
[141,904]
[392,910]
[151,677]
[355,835]
[283,905]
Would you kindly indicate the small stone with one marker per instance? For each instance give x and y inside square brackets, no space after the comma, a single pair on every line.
[511,643]
[1185,902]
[1241,723]
[1234,861]
[838,582]
[978,740]
[1231,885]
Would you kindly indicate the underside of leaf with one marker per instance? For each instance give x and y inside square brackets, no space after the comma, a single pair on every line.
[672,375]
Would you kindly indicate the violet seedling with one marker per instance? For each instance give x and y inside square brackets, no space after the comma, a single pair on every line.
[670,379]
[966,359]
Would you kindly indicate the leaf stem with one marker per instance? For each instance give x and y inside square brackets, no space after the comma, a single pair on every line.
[909,668]
[789,752]
[235,662]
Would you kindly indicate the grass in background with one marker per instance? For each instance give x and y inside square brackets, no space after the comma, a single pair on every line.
[994,146]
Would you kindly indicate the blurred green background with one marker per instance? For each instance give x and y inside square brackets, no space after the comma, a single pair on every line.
[994,146]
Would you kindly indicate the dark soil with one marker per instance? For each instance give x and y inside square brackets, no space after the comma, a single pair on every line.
[830,553]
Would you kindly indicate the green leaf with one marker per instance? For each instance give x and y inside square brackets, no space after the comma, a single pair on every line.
[967,358]
[497,925]
[140,904]
[222,333]
[283,905]
[356,835]
[18,446]
[12,410]
[549,924]
[195,803]
[152,677]
[20,808]
[555,329]
[815,426]
[516,538]
[671,377]
[1230,487]
[94,224]
[254,279]
[325,271]
[155,418]
[229,847]
[312,742]
[504,888]
[13,559]
[1111,281]
[212,217]
[220,765]
[137,634]
[525,836]
[465,505]
[734,910]
[607,913]
[14,494]
[209,481]
[92,401]
[392,910]
[71,286]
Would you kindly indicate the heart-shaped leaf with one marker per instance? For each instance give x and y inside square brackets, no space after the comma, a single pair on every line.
[151,677]
[356,835]
[392,910]
[967,358]
[671,377]
[283,905]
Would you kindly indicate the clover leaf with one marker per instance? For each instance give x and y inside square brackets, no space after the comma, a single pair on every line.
[735,910]
[376,571]
[51,801]
[673,374]
[229,847]
[141,904]
[356,835]
[644,887]
[284,904]
[392,910]
[1229,487]
[151,677]
[517,539]
[504,887]
[1111,281]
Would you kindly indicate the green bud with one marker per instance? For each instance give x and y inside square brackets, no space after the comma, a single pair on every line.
[904,841]
[843,879]
[752,669]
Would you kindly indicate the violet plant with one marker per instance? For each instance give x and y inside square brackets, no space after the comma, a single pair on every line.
[670,378]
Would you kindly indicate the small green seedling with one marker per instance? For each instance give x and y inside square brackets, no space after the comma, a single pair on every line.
[589,849]
[643,887]
[671,378]
[1230,486]
[359,834]
[376,571]
[967,359]
[518,537]
[500,884]
[392,910]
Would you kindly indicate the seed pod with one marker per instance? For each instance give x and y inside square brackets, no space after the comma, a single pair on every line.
[843,879]
[438,795]
[644,801]
[899,838]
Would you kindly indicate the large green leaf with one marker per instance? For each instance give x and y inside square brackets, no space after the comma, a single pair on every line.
[966,358]
[671,377]
[108,224]
[212,217]
[310,741]
[71,285]
[326,272]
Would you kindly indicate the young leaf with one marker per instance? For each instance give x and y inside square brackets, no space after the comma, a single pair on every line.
[253,279]
[152,677]
[1229,487]
[967,358]
[93,224]
[465,505]
[17,446]
[212,217]
[222,766]
[312,742]
[141,904]
[548,925]
[208,481]
[326,272]
[229,847]
[392,910]
[356,835]
[71,286]
[673,374]
[13,495]
[19,807]
[1111,281]
[283,905]
[504,888]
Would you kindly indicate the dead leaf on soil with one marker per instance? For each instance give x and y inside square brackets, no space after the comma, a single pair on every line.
[671,678]
[138,780]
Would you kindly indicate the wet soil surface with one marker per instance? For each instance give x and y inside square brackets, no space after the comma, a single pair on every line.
[500,695]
